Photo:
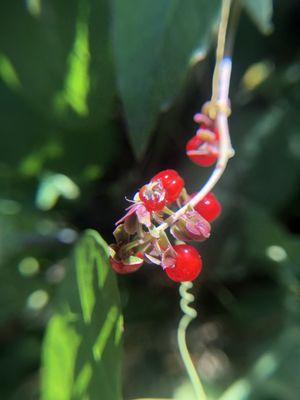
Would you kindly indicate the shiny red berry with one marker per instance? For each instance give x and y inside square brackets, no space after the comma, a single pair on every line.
[201,152]
[188,264]
[171,182]
[122,268]
[153,196]
[209,207]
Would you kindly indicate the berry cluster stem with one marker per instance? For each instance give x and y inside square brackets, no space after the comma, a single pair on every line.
[225,150]
[219,105]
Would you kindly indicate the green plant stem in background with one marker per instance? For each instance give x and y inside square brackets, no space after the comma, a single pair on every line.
[189,314]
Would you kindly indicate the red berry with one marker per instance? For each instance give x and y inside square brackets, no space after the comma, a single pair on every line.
[123,269]
[207,151]
[217,134]
[188,264]
[209,207]
[153,196]
[171,182]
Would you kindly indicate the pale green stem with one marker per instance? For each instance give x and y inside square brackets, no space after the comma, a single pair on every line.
[189,315]
[219,107]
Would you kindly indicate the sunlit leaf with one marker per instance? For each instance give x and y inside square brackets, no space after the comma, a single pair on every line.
[77,82]
[82,347]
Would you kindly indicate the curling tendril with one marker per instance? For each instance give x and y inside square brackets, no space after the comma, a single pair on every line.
[189,314]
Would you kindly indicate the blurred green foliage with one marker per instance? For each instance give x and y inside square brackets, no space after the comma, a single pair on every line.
[82,347]
[87,88]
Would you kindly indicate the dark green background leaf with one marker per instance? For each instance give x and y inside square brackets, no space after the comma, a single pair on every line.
[153,43]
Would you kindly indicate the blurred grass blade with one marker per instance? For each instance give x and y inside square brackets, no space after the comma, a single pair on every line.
[82,346]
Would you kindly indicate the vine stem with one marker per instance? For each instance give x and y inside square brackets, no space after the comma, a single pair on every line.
[219,106]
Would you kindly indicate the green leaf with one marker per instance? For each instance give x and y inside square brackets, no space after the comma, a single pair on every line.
[82,347]
[153,44]
[261,12]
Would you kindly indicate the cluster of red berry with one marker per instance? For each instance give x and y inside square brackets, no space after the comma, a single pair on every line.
[138,238]
[203,148]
